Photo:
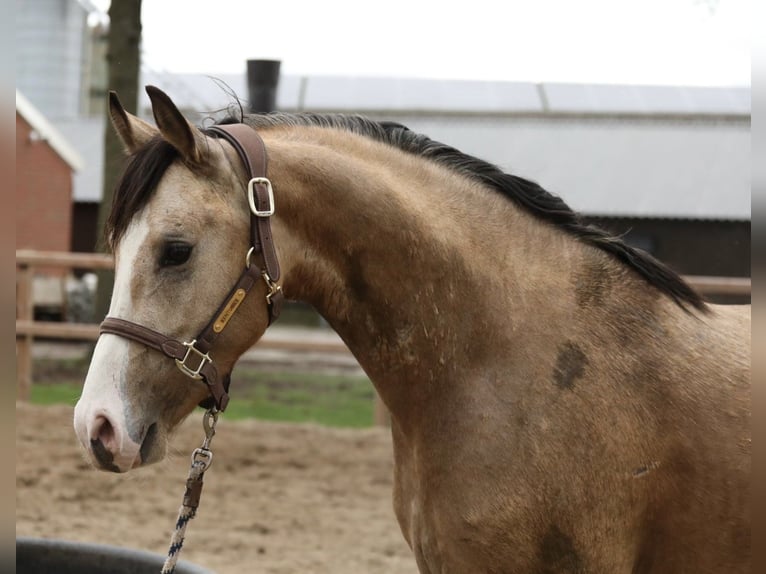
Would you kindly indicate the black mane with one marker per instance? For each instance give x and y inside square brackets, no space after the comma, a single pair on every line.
[146,167]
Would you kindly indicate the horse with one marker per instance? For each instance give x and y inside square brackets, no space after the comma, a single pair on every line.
[559,400]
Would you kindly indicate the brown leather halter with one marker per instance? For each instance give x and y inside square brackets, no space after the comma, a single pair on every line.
[193,358]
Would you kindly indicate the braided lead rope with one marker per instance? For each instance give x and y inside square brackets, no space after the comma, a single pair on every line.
[201,459]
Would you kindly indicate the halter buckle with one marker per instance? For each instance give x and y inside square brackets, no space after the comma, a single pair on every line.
[204,358]
[269,211]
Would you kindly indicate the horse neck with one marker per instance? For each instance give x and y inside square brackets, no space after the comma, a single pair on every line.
[413,265]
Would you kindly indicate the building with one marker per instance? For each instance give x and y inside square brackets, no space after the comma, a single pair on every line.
[666,167]
[45,164]
[53,55]
[60,69]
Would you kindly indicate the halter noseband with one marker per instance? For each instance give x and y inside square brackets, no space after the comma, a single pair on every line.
[193,358]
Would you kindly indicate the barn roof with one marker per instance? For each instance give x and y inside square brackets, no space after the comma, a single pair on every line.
[602,166]
[634,151]
[366,94]
[48,132]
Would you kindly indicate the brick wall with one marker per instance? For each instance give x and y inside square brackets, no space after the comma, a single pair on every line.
[43,194]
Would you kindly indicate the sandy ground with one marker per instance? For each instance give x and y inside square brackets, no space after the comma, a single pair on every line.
[278,498]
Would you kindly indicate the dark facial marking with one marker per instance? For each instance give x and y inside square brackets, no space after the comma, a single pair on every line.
[558,554]
[570,365]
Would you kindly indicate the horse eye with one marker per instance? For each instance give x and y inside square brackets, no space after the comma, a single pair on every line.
[175,253]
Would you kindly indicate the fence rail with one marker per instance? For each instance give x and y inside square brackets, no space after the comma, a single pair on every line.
[27,328]
[720,285]
[30,258]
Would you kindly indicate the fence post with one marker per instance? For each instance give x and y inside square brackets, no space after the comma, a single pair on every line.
[24,344]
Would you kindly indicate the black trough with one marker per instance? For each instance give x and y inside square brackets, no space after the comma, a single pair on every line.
[44,556]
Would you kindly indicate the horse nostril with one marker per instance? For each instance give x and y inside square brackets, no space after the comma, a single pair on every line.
[103,456]
[103,443]
[104,432]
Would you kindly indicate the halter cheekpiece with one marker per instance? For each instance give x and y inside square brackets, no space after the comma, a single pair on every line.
[192,357]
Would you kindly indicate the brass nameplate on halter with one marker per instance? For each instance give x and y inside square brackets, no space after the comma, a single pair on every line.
[228,310]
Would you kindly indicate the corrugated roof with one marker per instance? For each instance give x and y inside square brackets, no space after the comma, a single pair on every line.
[611,167]
[369,94]
[48,132]
[645,160]
[648,100]
[364,94]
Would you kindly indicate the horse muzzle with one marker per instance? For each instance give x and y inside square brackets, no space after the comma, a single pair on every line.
[109,445]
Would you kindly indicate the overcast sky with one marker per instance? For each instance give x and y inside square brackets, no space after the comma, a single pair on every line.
[670,42]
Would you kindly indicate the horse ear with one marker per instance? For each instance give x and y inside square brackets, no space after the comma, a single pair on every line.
[132,131]
[186,138]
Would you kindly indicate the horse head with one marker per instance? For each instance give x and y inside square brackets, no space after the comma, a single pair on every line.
[179,230]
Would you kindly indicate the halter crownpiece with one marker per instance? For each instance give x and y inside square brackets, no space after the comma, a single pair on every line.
[193,358]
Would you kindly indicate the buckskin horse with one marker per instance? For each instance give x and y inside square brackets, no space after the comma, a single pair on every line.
[560,401]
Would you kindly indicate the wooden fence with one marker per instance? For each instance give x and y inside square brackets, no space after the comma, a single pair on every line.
[27,261]
[27,328]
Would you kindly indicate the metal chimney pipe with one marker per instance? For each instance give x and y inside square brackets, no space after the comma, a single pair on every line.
[262,82]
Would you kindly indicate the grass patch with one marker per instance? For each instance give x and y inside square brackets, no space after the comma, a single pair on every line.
[55,394]
[332,400]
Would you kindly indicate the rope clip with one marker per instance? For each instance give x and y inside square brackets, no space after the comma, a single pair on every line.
[208,423]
